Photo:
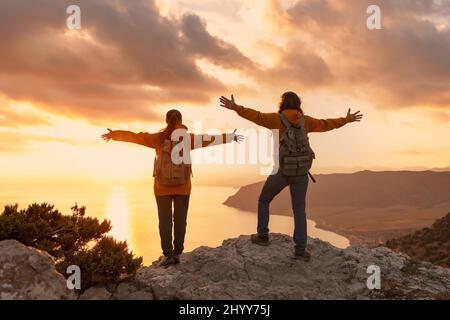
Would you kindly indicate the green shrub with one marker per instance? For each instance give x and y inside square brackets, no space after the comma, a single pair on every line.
[72,239]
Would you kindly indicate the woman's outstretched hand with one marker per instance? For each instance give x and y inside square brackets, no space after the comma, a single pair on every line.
[227,103]
[237,137]
[354,117]
[107,136]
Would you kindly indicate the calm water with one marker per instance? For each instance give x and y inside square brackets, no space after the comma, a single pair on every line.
[132,211]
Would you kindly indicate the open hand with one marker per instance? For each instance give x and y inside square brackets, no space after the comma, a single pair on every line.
[227,103]
[354,117]
[237,137]
[107,136]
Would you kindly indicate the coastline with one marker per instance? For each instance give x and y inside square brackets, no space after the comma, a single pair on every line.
[357,231]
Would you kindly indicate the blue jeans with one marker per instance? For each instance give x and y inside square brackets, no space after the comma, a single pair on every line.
[298,187]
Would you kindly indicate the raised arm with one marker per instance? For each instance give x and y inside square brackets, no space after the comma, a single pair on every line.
[324,125]
[143,138]
[266,120]
[205,140]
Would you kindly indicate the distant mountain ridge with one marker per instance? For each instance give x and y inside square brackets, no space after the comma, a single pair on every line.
[365,206]
[441,169]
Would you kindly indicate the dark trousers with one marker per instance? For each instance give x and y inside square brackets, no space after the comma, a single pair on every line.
[179,216]
[298,187]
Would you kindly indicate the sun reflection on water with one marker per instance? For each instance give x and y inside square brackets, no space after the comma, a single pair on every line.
[118,213]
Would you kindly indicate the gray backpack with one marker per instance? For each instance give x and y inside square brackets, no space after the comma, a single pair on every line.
[168,173]
[296,155]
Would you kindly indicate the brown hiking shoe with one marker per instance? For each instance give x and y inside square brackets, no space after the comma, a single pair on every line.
[176,258]
[305,256]
[260,241]
[167,261]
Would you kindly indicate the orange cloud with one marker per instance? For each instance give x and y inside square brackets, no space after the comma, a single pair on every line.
[297,67]
[130,59]
[12,118]
[405,64]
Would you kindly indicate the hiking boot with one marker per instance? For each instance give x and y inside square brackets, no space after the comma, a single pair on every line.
[304,256]
[177,258]
[167,261]
[260,241]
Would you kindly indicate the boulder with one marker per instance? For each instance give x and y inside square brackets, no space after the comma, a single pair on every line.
[133,291]
[28,273]
[238,270]
[95,293]
[241,270]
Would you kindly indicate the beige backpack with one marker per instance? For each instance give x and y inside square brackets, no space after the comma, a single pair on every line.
[168,173]
[296,155]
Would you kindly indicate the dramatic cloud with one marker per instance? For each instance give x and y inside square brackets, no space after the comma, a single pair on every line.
[404,64]
[126,59]
[298,67]
[199,42]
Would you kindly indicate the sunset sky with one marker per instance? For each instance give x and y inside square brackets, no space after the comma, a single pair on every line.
[134,60]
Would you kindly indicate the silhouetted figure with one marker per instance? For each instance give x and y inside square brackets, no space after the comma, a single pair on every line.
[296,158]
[172,185]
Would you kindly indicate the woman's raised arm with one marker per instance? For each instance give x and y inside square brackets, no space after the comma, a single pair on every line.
[205,140]
[266,120]
[143,138]
[324,125]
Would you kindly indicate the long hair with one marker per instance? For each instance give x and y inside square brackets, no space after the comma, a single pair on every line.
[173,117]
[290,100]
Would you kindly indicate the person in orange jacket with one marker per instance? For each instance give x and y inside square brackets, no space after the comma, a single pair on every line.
[169,194]
[290,109]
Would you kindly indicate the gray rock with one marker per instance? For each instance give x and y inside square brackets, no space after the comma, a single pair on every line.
[133,291]
[240,270]
[27,273]
[95,293]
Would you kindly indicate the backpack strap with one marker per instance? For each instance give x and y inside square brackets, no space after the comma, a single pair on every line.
[285,121]
[302,124]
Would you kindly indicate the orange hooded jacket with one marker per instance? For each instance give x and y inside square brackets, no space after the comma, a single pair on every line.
[152,140]
[272,120]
